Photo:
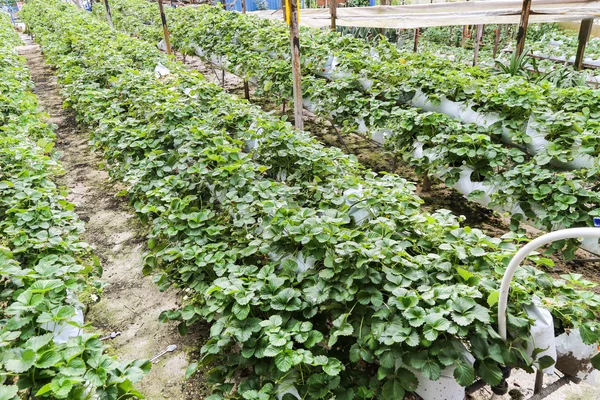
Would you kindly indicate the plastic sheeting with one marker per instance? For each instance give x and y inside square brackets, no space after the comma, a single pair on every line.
[446,14]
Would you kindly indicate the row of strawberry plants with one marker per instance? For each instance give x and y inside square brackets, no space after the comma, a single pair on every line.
[44,264]
[526,181]
[259,49]
[318,277]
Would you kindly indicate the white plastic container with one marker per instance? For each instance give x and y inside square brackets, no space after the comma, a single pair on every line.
[574,355]
[542,332]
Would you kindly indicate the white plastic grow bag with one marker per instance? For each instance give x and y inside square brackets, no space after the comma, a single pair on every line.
[63,331]
[574,356]
[445,388]
[542,332]
[353,197]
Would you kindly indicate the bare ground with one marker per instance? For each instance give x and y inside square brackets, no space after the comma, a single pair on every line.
[130,303]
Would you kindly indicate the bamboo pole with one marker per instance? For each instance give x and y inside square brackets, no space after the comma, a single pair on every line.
[522,33]
[478,37]
[163,19]
[584,35]
[333,12]
[296,72]
[109,15]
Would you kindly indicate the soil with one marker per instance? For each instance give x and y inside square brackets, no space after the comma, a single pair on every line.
[130,302]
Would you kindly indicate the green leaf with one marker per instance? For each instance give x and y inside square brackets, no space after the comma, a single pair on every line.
[23,363]
[493,298]
[333,367]
[596,361]
[191,370]
[48,359]
[37,342]
[489,372]
[545,362]
[8,392]
[464,373]
[283,361]
[392,390]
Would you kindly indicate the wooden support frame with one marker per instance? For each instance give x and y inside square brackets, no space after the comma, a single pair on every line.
[333,12]
[523,24]
[296,72]
[584,36]
[108,15]
[163,19]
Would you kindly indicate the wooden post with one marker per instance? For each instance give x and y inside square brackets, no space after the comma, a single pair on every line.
[163,18]
[246,87]
[478,37]
[497,41]
[464,35]
[522,34]
[283,9]
[584,35]
[416,46]
[333,12]
[296,72]
[109,15]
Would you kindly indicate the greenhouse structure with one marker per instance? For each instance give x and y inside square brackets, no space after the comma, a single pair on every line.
[300,199]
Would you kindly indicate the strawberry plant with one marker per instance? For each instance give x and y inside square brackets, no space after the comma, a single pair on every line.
[319,278]
[44,264]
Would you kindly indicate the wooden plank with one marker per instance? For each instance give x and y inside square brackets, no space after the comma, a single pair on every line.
[333,12]
[109,15]
[478,37]
[296,72]
[163,18]
[522,33]
[584,35]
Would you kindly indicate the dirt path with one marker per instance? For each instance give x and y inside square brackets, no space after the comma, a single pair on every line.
[131,303]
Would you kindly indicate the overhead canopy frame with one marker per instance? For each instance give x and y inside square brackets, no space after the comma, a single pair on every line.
[447,14]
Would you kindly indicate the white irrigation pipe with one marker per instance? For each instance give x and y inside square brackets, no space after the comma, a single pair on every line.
[571,233]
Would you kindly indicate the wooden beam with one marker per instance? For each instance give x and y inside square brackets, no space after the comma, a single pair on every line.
[109,15]
[333,11]
[497,41]
[584,35]
[243,6]
[296,72]
[523,24]
[163,19]
[478,37]
[416,45]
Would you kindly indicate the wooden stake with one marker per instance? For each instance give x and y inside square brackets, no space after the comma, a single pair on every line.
[539,381]
[497,41]
[283,9]
[416,46]
[296,72]
[478,37]
[584,35]
[163,18]
[109,15]
[464,35]
[246,87]
[333,12]
[522,34]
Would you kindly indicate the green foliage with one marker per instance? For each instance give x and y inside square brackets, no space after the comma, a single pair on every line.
[257,223]
[257,48]
[43,262]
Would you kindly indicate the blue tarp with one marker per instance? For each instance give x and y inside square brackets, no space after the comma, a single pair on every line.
[252,5]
